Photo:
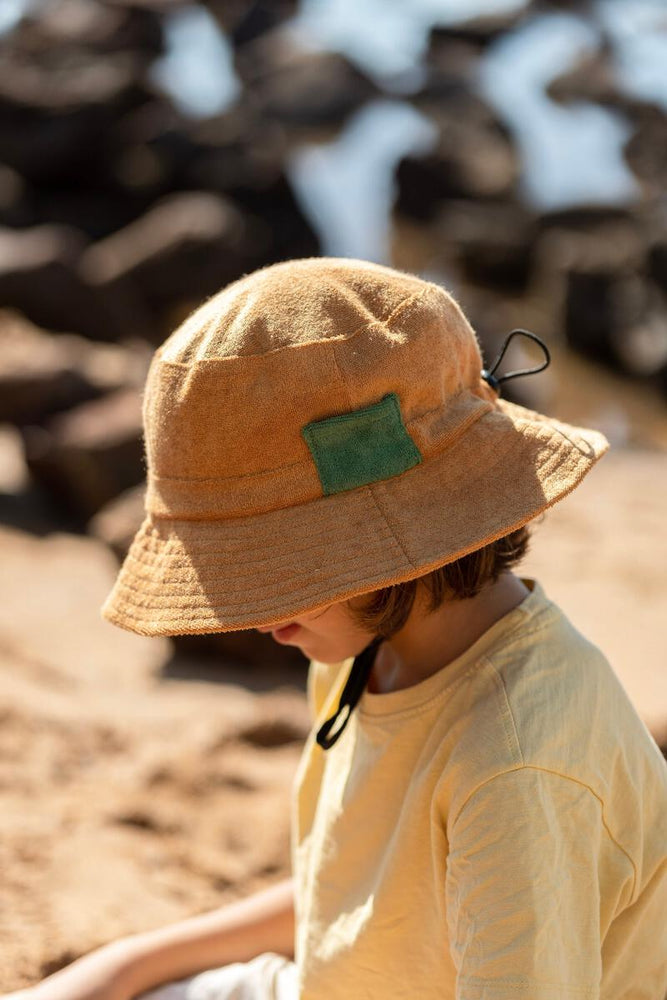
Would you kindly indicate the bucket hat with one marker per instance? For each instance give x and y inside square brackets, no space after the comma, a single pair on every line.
[319,429]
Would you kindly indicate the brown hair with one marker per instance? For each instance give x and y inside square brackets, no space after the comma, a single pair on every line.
[387,610]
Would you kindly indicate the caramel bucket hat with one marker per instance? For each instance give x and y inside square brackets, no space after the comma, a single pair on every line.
[319,429]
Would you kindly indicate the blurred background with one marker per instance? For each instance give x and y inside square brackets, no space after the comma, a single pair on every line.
[151,151]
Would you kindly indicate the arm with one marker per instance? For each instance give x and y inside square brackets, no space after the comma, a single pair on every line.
[234,933]
[527,854]
[123,969]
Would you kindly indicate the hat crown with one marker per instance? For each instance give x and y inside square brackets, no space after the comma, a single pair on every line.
[291,303]
[230,391]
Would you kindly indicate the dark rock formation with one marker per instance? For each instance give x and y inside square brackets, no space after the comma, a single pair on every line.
[474,157]
[184,249]
[646,149]
[477,32]
[42,374]
[492,242]
[117,522]
[39,276]
[245,20]
[297,87]
[90,454]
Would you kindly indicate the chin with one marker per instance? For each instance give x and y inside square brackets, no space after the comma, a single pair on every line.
[319,650]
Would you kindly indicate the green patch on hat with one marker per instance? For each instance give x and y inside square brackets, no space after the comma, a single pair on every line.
[361,447]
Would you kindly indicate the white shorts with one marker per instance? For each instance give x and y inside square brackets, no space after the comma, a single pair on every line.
[267,977]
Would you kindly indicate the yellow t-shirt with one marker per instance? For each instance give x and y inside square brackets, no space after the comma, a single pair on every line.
[498,830]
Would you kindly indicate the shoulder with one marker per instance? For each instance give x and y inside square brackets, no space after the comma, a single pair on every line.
[537,688]
[546,706]
[566,705]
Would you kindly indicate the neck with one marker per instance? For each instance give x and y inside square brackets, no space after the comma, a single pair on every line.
[428,642]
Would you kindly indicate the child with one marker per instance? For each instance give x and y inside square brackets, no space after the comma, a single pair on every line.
[479,812]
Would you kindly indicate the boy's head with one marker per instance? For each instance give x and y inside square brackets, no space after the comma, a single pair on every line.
[343,628]
[321,430]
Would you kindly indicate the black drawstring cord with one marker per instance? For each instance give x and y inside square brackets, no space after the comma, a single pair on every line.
[489,376]
[357,679]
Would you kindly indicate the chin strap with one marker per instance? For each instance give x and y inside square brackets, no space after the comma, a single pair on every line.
[357,679]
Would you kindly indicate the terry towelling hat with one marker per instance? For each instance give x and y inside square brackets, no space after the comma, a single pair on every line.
[317,430]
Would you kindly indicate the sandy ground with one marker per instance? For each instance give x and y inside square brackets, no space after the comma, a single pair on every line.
[130,797]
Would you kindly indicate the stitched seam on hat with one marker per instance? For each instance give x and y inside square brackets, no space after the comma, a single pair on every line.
[307,463]
[422,293]
[385,321]
[349,396]
[577,442]
[177,567]
[390,526]
[550,466]
[155,601]
[456,432]
[240,475]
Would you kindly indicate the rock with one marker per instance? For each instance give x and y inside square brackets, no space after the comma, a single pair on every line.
[616,319]
[98,212]
[16,209]
[280,720]
[56,120]
[298,87]
[657,263]
[449,71]
[478,167]
[646,149]
[492,242]
[42,374]
[90,454]
[242,155]
[38,375]
[478,32]
[245,21]
[586,219]
[592,78]
[118,520]
[185,248]
[590,311]
[474,158]
[608,306]
[147,150]
[39,277]
[13,470]
[91,26]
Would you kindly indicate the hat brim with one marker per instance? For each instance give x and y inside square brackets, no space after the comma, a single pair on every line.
[186,577]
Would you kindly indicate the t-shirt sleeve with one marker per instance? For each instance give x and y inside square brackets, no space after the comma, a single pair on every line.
[522,889]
